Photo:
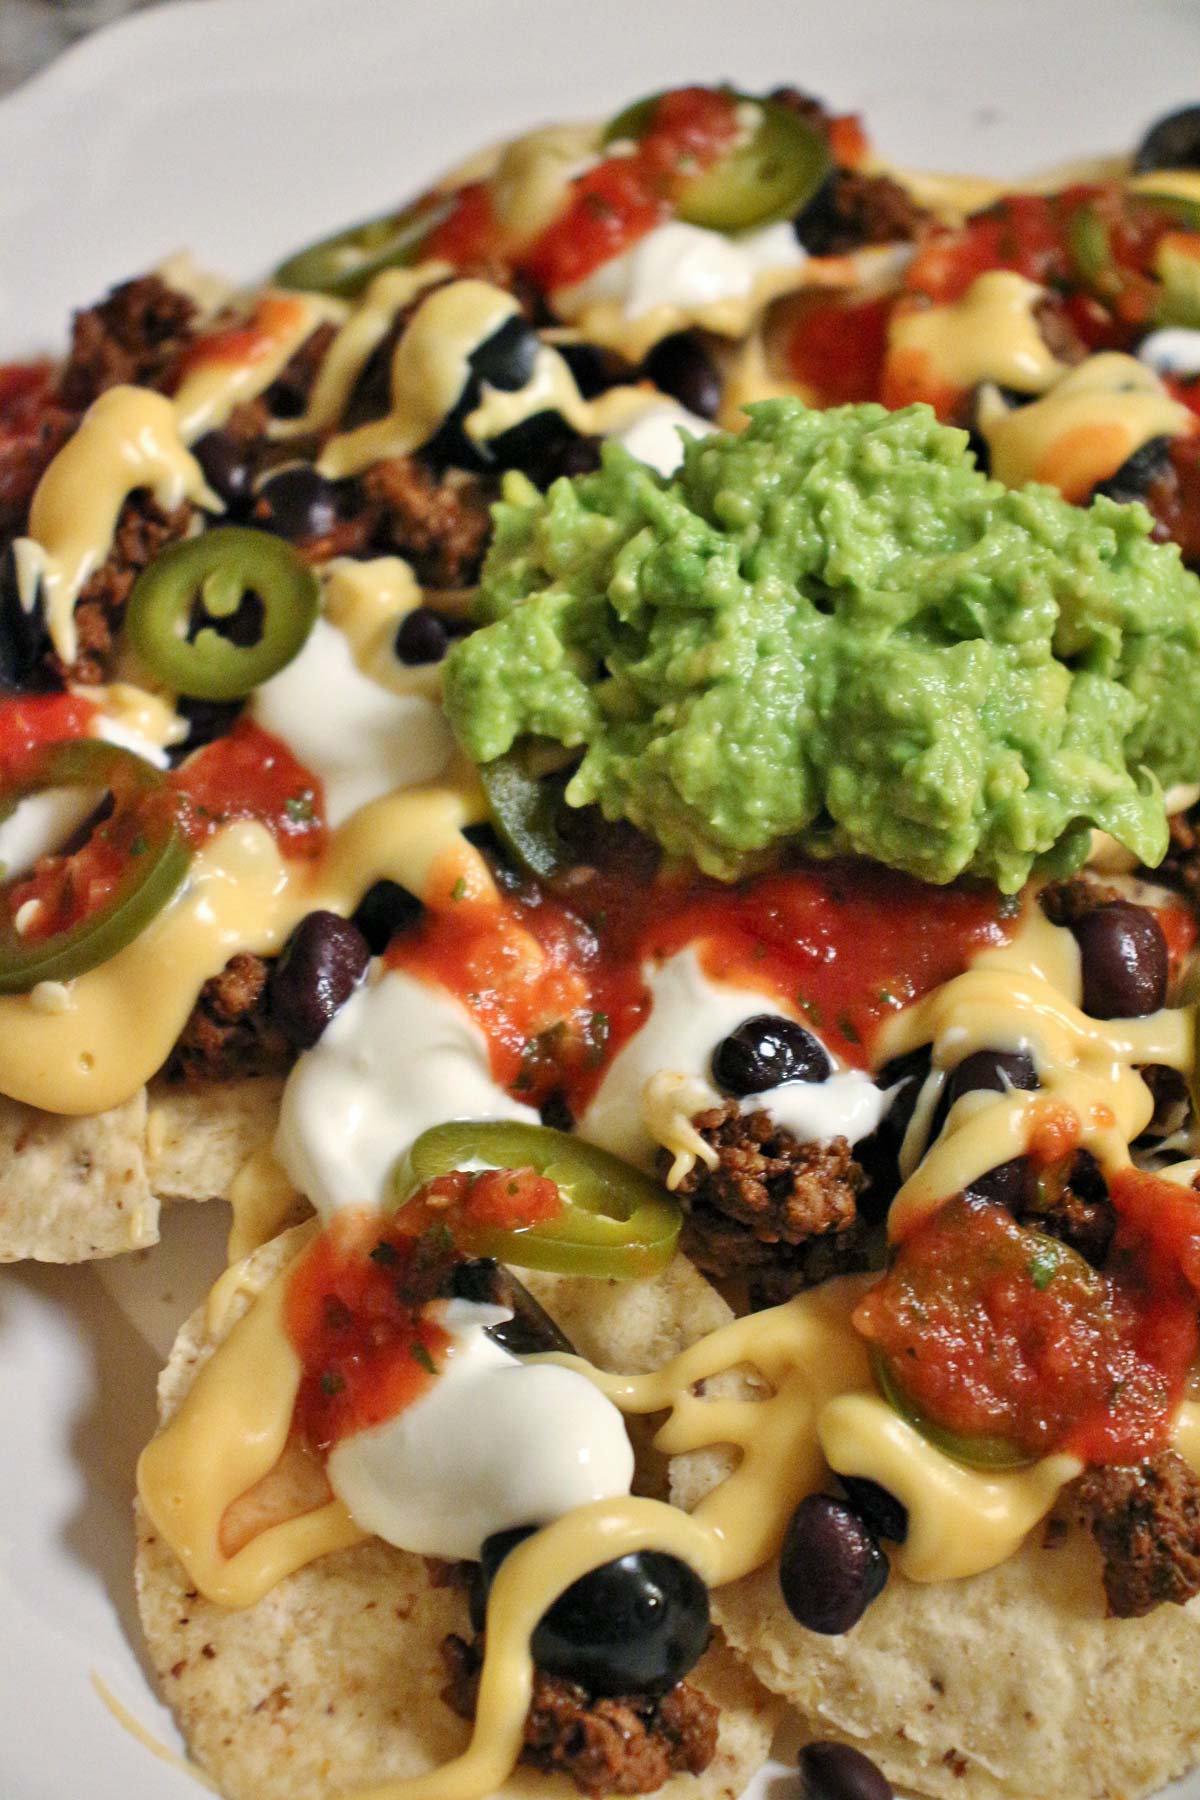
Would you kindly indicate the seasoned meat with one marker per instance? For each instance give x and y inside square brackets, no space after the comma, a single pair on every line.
[1146,1520]
[783,1190]
[25,455]
[440,525]
[230,1032]
[134,335]
[1066,902]
[288,394]
[853,208]
[1070,1202]
[1181,865]
[776,1213]
[142,531]
[627,1745]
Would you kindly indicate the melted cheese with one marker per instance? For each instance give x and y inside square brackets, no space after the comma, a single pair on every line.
[1084,428]
[1025,996]
[431,367]
[213,385]
[262,1197]
[242,1400]
[529,184]
[990,334]
[240,894]
[129,438]
[355,344]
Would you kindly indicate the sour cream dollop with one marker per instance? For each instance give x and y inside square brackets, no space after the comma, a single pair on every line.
[689,1015]
[687,267]
[493,1443]
[653,436]
[359,737]
[401,1056]
[1173,351]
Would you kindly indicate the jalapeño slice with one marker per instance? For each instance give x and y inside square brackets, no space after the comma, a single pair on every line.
[523,806]
[614,1221]
[108,892]
[178,602]
[770,172]
[976,1450]
[346,262]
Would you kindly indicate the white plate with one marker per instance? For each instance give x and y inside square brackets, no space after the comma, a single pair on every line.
[242,128]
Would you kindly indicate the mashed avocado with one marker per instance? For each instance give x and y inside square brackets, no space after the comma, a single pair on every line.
[833,632]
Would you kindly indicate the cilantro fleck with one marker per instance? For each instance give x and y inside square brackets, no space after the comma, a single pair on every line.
[1044,1265]
[299,807]
[887,998]
[385,1254]
[810,1009]
[421,1355]
[332,1383]
[459,890]
[138,846]
[848,1028]
[597,1037]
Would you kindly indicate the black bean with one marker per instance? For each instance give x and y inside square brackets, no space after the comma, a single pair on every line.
[680,366]
[1125,961]
[422,636]
[385,909]
[830,1771]
[206,720]
[297,504]
[1004,1185]
[594,369]
[765,1052]
[819,225]
[23,636]
[229,468]
[991,1071]
[1171,143]
[887,1516]
[506,359]
[831,1566]
[322,963]
[543,447]
[633,1626]
[1138,473]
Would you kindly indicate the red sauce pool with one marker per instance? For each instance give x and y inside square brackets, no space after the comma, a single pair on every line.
[251,774]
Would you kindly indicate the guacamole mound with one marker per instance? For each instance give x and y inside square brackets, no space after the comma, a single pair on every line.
[832,632]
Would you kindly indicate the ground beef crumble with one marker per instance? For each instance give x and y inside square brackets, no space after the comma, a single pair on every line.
[1069,1201]
[1066,902]
[853,208]
[133,335]
[441,524]
[143,530]
[1181,865]
[229,1033]
[778,1213]
[1146,1520]
[626,1745]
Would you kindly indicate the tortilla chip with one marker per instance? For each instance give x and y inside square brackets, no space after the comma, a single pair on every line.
[333,1681]
[73,1189]
[1012,1685]
[198,1138]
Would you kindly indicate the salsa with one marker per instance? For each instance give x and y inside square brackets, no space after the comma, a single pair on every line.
[555,980]
[355,1316]
[989,1331]
[250,774]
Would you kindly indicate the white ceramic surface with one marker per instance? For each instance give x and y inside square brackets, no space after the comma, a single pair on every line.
[241,128]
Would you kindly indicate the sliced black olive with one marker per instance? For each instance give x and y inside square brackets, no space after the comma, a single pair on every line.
[831,1566]
[207,719]
[531,1331]
[819,225]
[297,504]
[1125,961]
[506,359]
[385,909]
[594,370]
[765,1052]
[830,1771]
[322,963]
[1171,143]
[887,1516]
[680,366]
[556,1112]
[633,1626]
[1138,473]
